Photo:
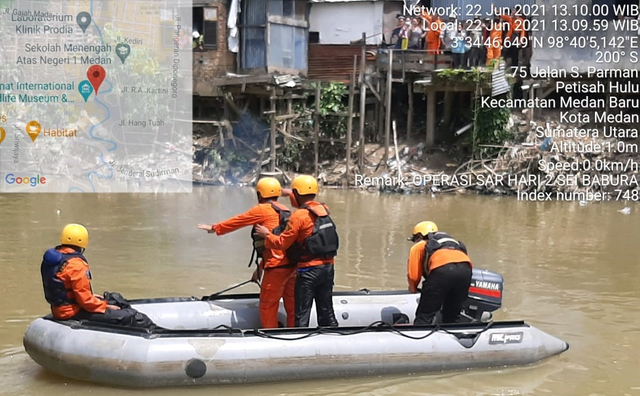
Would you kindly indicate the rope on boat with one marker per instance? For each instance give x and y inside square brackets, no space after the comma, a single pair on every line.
[378,326]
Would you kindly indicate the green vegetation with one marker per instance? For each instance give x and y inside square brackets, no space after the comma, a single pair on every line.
[459,77]
[490,128]
[331,103]
[333,124]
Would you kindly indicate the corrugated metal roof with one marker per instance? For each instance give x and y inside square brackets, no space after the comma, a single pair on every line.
[499,84]
[334,62]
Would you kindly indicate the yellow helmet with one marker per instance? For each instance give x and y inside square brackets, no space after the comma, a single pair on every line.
[305,185]
[268,187]
[74,235]
[425,227]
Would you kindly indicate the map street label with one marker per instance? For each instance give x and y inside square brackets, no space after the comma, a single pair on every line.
[85,89]
[49,76]
[96,75]
[123,50]
[33,130]
[84,20]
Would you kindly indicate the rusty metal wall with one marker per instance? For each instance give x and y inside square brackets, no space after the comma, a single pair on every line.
[252,34]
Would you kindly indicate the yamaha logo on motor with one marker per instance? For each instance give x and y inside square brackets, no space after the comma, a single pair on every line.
[487,285]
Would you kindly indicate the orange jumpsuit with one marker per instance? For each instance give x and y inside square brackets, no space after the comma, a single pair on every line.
[515,25]
[433,35]
[279,278]
[415,264]
[494,48]
[75,277]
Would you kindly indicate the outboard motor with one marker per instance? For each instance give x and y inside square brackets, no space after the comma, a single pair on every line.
[485,296]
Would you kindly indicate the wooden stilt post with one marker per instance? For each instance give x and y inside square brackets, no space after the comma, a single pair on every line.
[387,126]
[380,112]
[531,100]
[288,127]
[352,88]
[363,110]
[316,127]
[263,106]
[363,101]
[431,118]
[273,134]
[448,107]
[410,110]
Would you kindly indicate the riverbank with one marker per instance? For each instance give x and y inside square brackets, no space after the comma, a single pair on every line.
[543,156]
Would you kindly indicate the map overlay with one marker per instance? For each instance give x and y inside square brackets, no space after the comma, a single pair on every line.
[95,96]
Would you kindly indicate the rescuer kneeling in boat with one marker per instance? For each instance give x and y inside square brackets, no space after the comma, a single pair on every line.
[310,240]
[279,275]
[446,268]
[66,279]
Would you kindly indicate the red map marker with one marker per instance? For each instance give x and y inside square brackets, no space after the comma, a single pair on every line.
[96,75]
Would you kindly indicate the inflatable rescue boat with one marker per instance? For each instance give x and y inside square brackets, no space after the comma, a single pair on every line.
[218,340]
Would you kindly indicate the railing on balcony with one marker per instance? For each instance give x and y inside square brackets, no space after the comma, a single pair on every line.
[412,61]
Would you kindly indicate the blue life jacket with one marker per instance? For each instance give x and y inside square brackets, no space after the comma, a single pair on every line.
[54,290]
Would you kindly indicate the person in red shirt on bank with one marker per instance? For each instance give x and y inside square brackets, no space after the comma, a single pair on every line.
[446,268]
[311,241]
[66,280]
[279,277]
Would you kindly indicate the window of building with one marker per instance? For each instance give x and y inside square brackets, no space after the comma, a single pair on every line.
[205,22]
[283,8]
[292,51]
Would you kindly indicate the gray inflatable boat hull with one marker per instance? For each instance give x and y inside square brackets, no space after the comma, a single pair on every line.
[192,354]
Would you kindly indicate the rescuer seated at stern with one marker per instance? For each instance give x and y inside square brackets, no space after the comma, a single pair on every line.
[446,268]
[311,241]
[66,279]
[278,274]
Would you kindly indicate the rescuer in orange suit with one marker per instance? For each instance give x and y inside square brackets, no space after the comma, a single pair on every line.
[433,33]
[446,268]
[311,241]
[515,36]
[66,280]
[279,276]
[494,47]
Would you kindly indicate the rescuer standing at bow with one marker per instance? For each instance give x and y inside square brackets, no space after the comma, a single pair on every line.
[311,241]
[279,274]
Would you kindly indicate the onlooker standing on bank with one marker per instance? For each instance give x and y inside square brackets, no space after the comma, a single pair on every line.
[395,33]
[459,49]
[476,41]
[415,35]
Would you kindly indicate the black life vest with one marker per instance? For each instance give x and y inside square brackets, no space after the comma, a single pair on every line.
[436,241]
[322,244]
[54,290]
[284,213]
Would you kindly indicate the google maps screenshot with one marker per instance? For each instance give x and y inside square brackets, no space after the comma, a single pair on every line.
[319,197]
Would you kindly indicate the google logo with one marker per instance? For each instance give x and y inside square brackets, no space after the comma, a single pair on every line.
[32,181]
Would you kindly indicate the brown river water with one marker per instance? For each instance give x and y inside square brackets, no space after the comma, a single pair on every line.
[571,270]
